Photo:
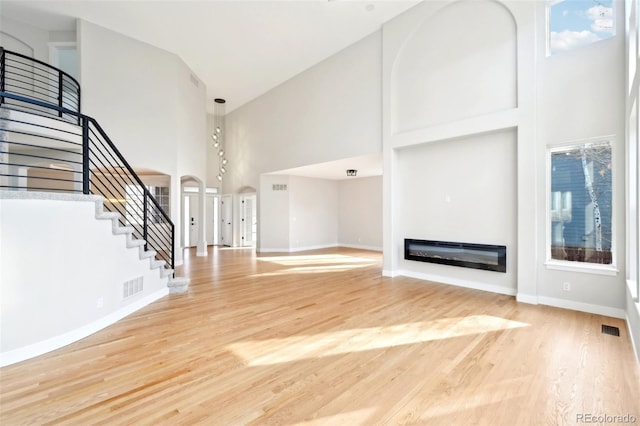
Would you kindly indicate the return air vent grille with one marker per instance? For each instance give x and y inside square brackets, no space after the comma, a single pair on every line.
[279,186]
[609,329]
[131,287]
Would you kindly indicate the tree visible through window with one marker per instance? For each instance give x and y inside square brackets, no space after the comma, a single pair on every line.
[581,203]
[575,23]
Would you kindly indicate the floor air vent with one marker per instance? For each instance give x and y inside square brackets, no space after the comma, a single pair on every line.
[609,329]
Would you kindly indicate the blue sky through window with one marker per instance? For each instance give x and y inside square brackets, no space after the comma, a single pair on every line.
[574,23]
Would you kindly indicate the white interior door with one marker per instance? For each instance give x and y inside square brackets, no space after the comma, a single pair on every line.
[213,219]
[226,217]
[191,220]
[249,220]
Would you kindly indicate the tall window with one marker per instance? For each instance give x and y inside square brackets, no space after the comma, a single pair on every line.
[575,23]
[581,203]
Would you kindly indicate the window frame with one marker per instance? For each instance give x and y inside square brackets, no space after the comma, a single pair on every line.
[573,266]
[135,211]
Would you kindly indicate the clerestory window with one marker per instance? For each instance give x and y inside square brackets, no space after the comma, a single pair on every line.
[576,23]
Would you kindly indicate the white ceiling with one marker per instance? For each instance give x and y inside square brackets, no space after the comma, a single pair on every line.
[240,49]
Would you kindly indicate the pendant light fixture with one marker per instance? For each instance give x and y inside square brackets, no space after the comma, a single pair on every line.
[219,136]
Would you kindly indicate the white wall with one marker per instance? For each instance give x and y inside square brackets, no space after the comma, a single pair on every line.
[428,161]
[302,217]
[462,191]
[147,103]
[562,98]
[632,20]
[313,214]
[273,214]
[328,112]
[360,213]
[24,38]
[56,268]
[317,213]
[129,87]
[453,45]
[581,95]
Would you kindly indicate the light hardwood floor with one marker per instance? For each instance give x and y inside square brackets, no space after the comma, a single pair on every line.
[321,338]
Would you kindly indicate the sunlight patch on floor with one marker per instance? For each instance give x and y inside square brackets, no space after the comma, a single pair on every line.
[294,348]
[355,417]
[314,264]
[316,259]
[310,270]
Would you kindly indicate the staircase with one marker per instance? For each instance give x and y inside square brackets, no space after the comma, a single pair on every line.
[50,151]
[47,144]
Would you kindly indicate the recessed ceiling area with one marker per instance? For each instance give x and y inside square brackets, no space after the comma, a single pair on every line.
[239,49]
[367,166]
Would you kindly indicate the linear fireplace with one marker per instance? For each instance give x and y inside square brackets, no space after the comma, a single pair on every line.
[479,256]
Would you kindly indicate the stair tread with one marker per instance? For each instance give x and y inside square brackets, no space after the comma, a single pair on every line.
[108,215]
[148,253]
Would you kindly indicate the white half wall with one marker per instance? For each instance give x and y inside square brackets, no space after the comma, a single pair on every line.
[62,274]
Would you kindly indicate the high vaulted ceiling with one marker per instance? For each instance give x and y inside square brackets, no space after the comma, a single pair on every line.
[240,49]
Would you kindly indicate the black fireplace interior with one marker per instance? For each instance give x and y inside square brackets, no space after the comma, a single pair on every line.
[479,256]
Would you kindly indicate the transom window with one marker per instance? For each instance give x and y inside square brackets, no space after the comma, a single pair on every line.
[575,23]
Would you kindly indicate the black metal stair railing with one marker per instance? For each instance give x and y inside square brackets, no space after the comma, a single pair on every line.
[34,79]
[51,146]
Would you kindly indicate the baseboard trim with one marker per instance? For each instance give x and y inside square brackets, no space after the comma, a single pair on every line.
[295,249]
[360,247]
[389,273]
[582,307]
[307,248]
[318,247]
[458,282]
[634,344]
[527,298]
[48,345]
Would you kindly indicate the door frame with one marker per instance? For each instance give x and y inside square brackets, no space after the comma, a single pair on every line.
[226,225]
[254,219]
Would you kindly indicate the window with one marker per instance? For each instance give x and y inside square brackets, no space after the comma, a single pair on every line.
[575,23]
[134,203]
[161,194]
[580,205]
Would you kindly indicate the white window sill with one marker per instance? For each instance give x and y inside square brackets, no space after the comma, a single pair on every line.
[587,268]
